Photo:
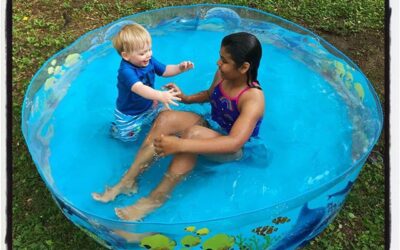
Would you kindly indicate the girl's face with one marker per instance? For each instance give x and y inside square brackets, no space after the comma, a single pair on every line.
[227,66]
[139,58]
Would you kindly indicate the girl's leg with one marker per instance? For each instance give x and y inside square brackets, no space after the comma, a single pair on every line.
[167,123]
[180,166]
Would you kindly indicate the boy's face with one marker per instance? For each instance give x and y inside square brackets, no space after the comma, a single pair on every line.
[139,58]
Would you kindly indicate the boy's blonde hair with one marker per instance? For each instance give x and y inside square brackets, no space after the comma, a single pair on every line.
[130,38]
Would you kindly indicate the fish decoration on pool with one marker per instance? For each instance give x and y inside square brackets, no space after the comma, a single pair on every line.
[348,79]
[56,71]
[344,74]
[157,242]
[190,241]
[72,59]
[342,192]
[281,220]
[190,229]
[359,90]
[203,231]
[311,222]
[263,231]
[219,242]
[308,222]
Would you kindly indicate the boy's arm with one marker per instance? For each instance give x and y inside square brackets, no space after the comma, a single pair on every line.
[166,97]
[174,69]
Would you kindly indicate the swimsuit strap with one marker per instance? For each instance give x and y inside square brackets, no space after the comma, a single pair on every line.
[241,92]
[236,98]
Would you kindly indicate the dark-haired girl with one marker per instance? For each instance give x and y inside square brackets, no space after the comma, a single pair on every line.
[237,108]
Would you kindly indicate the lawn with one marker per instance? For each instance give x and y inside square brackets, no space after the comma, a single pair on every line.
[42,27]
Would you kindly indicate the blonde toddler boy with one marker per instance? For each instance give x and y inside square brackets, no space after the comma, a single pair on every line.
[138,102]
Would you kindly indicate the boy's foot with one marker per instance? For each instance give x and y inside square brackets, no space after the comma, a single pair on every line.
[111,193]
[139,210]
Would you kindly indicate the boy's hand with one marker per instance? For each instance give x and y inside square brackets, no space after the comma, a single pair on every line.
[173,86]
[169,96]
[185,66]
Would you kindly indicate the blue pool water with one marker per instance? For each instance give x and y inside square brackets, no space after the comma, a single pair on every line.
[299,145]
[321,120]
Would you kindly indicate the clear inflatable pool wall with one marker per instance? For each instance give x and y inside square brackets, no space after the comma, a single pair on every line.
[286,225]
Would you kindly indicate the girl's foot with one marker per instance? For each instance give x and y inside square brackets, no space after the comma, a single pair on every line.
[132,237]
[111,193]
[139,210]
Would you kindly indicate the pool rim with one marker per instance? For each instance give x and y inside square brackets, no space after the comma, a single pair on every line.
[317,190]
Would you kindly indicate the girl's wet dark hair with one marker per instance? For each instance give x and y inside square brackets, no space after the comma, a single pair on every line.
[244,47]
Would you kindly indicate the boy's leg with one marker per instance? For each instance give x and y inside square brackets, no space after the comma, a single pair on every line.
[167,123]
[180,166]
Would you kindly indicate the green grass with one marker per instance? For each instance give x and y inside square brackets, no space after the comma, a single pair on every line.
[43,27]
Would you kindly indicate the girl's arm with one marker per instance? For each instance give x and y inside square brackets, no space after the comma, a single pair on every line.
[251,111]
[200,97]
[166,97]
[172,70]
[231,143]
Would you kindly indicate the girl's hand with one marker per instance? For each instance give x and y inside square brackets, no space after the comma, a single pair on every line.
[185,66]
[166,145]
[169,97]
[174,87]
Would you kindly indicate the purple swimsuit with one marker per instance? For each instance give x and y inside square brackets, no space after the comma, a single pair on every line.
[224,110]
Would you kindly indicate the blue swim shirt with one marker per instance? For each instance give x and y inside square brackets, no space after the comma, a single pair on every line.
[129,102]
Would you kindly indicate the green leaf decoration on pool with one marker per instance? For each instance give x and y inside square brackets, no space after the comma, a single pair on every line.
[339,68]
[72,59]
[253,242]
[53,62]
[157,242]
[203,231]
[190,241]
[360,90]
[219,242]
[49,83]
[190,229]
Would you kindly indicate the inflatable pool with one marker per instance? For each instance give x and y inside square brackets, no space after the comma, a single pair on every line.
[321,121]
